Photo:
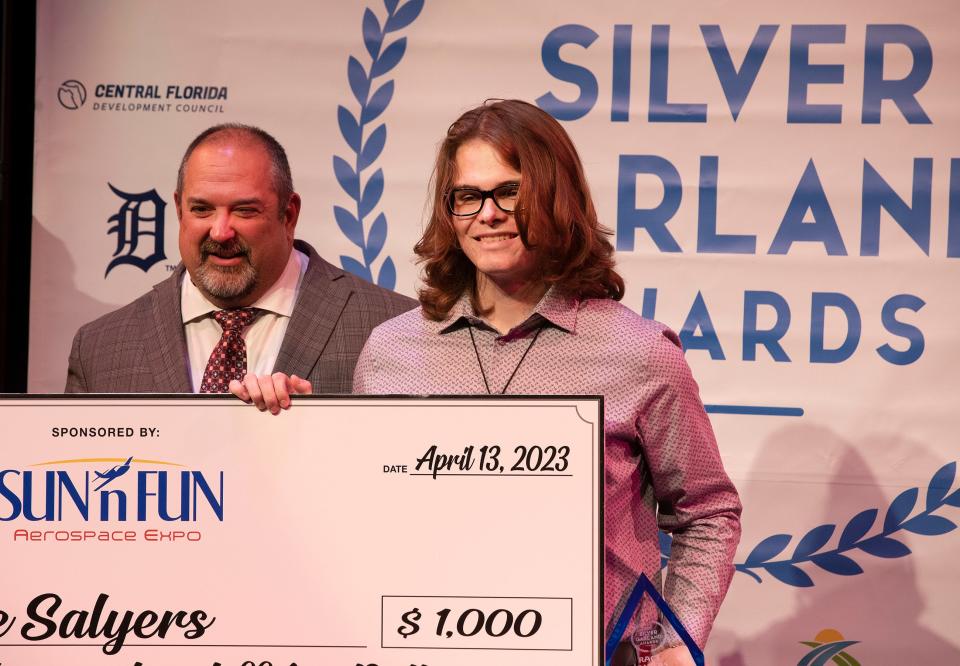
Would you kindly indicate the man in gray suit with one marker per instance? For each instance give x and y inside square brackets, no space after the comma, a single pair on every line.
[302,318]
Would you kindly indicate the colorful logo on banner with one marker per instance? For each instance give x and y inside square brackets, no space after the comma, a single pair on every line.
[853,537]
[366,195]
[107,494]
[72,94]
[136,229]
[828,646]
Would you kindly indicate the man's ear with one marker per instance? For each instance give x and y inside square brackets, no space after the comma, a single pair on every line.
[291,214]
[176,200]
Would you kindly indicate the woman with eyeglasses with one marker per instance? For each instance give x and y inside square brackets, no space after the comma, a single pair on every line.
[520,296]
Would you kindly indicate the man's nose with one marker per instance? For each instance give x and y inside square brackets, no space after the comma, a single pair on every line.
[221,229]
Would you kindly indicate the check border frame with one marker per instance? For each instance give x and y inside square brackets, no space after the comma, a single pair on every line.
[598,451]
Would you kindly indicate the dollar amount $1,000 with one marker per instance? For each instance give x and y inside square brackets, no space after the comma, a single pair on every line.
[473,620]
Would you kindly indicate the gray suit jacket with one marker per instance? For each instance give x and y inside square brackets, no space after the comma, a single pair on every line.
[141,348]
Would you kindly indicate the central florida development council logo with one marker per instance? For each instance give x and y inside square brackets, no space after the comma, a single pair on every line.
[829,646]
[72,94]
[139,98]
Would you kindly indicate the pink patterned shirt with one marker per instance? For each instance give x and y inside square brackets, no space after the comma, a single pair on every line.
[663,469]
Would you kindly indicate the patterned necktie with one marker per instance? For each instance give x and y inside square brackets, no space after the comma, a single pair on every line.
[229,358]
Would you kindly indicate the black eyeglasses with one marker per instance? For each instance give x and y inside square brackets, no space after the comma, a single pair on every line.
[467,201]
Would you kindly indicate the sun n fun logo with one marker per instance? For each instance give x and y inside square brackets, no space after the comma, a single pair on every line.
[145,97]
[99,499]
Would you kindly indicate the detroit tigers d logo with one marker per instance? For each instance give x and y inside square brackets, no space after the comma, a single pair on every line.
[137,229]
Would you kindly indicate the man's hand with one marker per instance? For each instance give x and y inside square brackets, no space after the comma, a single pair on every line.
[270,392]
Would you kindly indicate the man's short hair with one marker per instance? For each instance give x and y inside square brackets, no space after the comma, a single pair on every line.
[280,167]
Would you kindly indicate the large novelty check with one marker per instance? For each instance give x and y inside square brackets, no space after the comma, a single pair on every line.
[388,531]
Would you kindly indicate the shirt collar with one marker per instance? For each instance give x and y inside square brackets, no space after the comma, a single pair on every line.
[278,299]
[553,308]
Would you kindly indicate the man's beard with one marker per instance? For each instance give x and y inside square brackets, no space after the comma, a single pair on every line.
[226,281]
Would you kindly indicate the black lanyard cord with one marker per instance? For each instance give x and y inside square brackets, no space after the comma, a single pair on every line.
[483,374]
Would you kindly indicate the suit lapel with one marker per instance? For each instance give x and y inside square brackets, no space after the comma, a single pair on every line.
[166,347]
[321,299]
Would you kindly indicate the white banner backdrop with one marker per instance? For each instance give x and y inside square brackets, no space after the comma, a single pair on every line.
[783,182]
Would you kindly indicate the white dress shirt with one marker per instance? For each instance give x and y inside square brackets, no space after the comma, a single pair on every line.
[263,337]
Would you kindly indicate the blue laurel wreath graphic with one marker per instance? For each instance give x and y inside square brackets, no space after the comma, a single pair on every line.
[853,537]
[366,195]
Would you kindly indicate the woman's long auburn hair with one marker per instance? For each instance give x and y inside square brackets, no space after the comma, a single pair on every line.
[555,215]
